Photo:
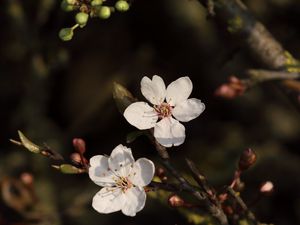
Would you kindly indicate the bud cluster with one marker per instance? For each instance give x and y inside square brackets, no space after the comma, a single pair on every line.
[86,9]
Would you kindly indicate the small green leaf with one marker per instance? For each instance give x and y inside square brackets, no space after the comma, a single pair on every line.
[122,97]
[28,144]
[68,169]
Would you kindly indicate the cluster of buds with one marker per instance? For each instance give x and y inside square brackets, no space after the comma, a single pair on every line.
[86,9]
[80,163]
[234,88]
[77,157]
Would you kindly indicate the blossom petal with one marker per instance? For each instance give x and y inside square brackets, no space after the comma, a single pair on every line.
[121,160]
[169,132]
[188,110]
[99,171]
[108,200]
[135,201]
[179,90]
[141,115]
[154,90]
[178,132]
[142,172]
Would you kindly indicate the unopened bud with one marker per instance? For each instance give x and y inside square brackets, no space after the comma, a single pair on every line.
[79,145]
[247,159]
[66,7]
[68,169]
[96,2]
[104,12]
[234,88]
[160,172]
[75,157]
[122,5]
[66,34]
[81,18]
[267,188]
[228,209]
[175,201]
[71,2]
[27,179]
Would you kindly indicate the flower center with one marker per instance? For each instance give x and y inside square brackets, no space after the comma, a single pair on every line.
[163,110]
[124,183]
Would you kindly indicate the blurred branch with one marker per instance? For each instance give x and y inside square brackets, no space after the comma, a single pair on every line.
[266,75]
[235,16]
[240,22]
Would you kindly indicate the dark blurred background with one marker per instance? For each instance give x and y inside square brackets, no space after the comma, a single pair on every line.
[54,91]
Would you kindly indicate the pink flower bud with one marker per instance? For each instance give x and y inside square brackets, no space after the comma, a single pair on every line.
[228,210]
[267,187]
[27,178]
[247,159]
[79,145]
[175,201]
[234,88]
[160,172]
[75,157]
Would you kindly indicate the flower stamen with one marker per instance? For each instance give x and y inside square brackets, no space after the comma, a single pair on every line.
[124,183]
[163,110]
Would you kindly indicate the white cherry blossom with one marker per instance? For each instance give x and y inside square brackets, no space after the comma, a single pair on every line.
[122,179]
[167,102]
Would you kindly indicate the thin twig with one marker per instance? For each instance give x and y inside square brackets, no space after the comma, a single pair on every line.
[243,205]
[198,177]
[266,75]
[214,210]
[165,186]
